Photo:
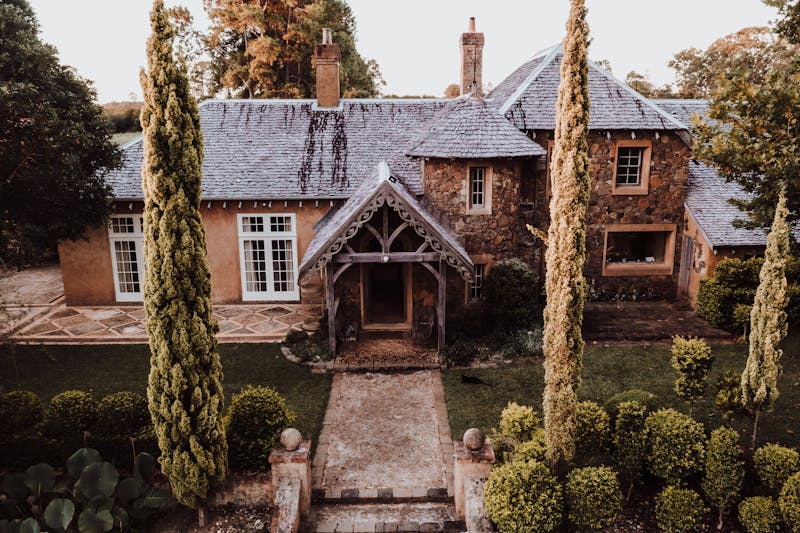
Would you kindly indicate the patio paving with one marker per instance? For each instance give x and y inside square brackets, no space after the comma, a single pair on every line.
[27,294]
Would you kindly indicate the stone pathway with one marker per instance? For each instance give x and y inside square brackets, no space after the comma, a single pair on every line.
[373,517]
[384,354]
[385,439]
[28,294]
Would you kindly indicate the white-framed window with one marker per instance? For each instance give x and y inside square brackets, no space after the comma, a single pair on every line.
[639,250]
[629,165]
[126,236]
[477,187]
[268,257]
[476,285]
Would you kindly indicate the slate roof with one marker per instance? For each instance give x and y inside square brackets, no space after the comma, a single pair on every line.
[469,128]
[614,105]
[381,187]
[285,149]
[682,109]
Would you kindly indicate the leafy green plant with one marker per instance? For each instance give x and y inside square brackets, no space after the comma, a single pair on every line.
[592,432]
[692,360]
[253,424]
[594,499]
[676,445]
[646,399]
[19,410]
[522,497]
[461,353]
[789,502]
[774,464]
[630,442]
[510,296]
[679,510]
[122,414]
[728,395]
[517,424]
[724,472]
[760,514]
[90,498]
[530,450]
[524,343]
[70,413]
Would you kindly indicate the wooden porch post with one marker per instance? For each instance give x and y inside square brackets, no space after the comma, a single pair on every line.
[330,304]
[440,309]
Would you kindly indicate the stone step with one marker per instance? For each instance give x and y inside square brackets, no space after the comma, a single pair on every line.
[383,517]
[388,495]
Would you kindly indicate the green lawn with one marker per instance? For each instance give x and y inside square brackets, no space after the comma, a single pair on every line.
[48,370]
[608,370]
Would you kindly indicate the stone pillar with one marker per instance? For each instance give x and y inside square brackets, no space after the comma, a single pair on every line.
[326,58]
[291,474]
[471,60]
[474,457]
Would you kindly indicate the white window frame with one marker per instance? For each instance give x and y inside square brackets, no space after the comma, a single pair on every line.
[137,238]
[484,208]
[268,237]
[476,285]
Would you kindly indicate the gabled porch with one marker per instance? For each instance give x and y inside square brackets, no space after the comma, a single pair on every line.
[385,260]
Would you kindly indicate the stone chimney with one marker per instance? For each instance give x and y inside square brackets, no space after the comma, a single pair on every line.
[326,59]
[471,60]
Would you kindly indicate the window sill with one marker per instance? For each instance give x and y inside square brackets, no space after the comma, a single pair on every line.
[637,269]
[481,211]
[263,297]
[627,190]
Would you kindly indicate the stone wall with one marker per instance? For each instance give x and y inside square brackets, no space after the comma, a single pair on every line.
[664,204]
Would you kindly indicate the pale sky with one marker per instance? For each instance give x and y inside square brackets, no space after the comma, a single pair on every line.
[416,41]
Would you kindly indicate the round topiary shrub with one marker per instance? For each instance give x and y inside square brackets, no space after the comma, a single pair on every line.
[679,510]
[122,414]
[647,399]
[592,431]
[676,445]
[789,503]
[760,514]
[70,413]
[510,295]
[19,410]
[253,425]
[531,450]
[522,497]
[630,442]
[594,499]
[519,421]
[724,471]
[774,464]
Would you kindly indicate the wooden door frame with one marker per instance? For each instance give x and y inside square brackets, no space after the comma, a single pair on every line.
[393,326]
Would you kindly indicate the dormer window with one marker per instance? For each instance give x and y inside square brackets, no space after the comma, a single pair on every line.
[632,169]
[479,192]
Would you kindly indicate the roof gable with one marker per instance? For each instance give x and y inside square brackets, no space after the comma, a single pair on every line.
[613,104]
[382,188]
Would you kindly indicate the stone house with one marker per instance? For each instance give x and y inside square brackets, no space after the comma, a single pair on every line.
[391,212]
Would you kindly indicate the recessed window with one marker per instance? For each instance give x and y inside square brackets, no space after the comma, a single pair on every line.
[476,285]
[632,169]
[268,252]
[639,250]
[126,236]
[477,187]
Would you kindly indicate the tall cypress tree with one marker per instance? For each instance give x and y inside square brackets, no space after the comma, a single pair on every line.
[185,384]
[767,322]
[566,250]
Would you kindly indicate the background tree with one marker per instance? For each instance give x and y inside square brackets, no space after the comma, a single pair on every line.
[788,25]
[642,84]
[566,251]
[767,323]
[185,384]
[264,48]
[751,53]
[452,91]
[55,146]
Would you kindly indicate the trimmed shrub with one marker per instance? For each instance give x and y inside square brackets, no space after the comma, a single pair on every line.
[531,450]
[648,400]
[19,410]
[460,353]
[774,464]
[592,431]
[630,442]
[692,360]
[676,445]
[593,497]
[122,415]
[789,502]
[679,510]
[253,424]
[724,471]
[519,421]
[728,394]
[72,411]
[511,296]
[524,343]
[523,497]
[760,514]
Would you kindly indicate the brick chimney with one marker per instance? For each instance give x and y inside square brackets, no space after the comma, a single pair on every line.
[326,59]
[471,60]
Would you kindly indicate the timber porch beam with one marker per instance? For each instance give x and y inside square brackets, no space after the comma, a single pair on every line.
[394,257]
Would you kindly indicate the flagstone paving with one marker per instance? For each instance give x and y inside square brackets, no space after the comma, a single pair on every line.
[27,294]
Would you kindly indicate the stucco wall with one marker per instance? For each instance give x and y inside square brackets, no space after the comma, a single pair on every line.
[86,269]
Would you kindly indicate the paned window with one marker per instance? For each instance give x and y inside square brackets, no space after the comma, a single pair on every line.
[477,187]
[268,251]
[127,256]
[476,285]
[639,250]
[629,165]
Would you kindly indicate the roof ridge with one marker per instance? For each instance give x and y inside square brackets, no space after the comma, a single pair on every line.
[638,95]
[549,55]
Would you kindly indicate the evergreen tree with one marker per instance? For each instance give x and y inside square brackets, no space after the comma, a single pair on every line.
[185,384]
[566,250]
[767,322]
